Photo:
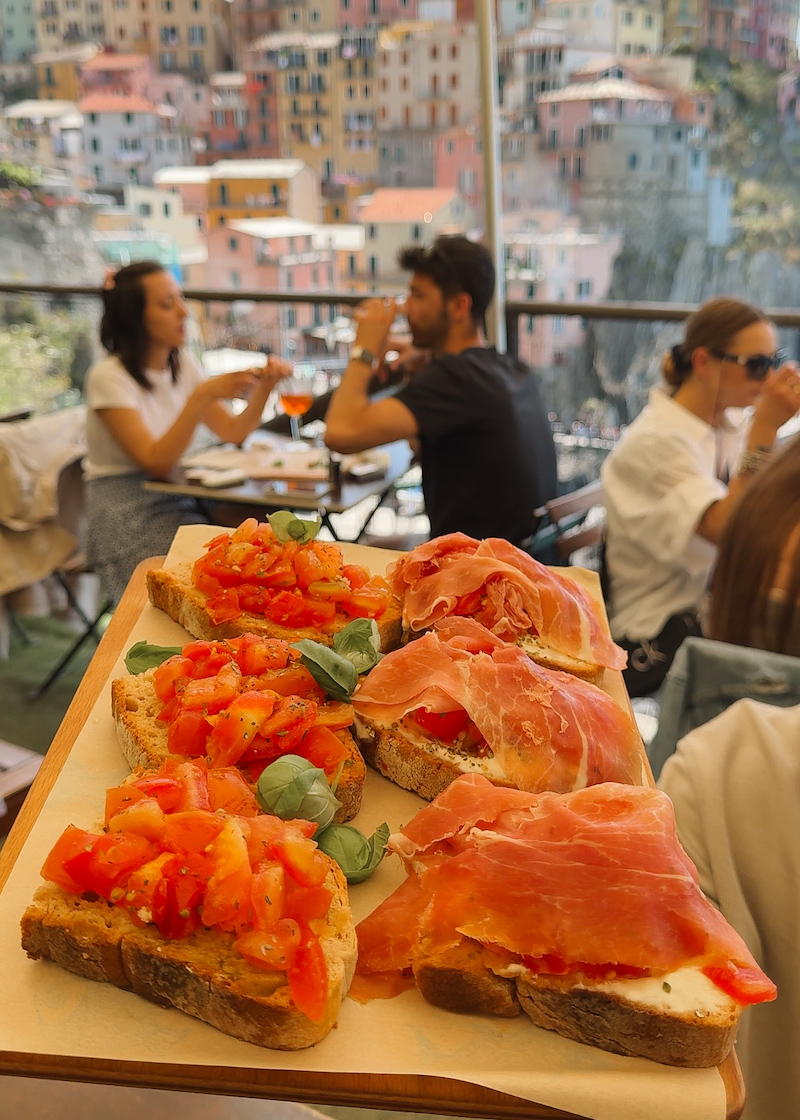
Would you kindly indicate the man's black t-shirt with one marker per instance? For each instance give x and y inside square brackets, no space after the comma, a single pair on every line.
[488,458]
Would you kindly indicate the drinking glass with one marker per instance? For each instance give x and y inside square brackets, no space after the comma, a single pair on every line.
[296,394]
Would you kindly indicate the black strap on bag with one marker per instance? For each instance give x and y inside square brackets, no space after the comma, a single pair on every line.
[650,658]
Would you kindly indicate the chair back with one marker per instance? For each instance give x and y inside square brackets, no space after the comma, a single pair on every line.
[706,677]
[570,522]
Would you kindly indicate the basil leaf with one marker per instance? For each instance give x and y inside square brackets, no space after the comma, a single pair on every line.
[143,656]
[293,787]
[356,855]
[360,643]
[287,527]
[335,674]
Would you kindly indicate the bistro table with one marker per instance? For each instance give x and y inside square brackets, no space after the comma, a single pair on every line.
[267,495]
[275,1076]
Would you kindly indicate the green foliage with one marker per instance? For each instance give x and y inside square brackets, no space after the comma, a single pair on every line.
[17,175]
[38,351]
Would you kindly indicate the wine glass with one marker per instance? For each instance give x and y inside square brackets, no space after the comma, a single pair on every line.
[296,394]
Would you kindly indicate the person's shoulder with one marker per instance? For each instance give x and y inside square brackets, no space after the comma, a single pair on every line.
[107,371]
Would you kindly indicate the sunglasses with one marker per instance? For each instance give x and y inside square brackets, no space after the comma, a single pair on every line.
[757,366]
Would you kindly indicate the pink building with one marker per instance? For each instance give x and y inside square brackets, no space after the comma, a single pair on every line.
[773,26]
[191,183]
[128,74]
[271,254]
[550,259]
[458,164]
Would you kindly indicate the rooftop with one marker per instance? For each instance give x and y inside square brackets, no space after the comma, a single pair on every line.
[106,60]
[606,89]
[35,107]
[256,168]
[173,176]
[405,205]
[116,103]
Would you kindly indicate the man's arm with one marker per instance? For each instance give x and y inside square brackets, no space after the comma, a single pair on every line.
[353,422]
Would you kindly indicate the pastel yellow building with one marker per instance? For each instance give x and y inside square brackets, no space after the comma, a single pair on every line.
[58,72]
[261,188]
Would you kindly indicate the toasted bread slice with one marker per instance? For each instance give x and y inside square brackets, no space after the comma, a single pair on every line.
[143,739]
[679,1020]
[202,974]
[423,766]
[172,591]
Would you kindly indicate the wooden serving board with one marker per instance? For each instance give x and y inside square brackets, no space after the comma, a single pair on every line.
[399,1053]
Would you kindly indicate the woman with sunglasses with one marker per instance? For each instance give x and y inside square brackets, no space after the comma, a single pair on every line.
[678,473]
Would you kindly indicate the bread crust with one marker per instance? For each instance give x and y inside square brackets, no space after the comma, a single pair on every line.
[607,1020]
[459,980]
[544,655]
[143,739]
[409,764]
[201,975]
[172,591]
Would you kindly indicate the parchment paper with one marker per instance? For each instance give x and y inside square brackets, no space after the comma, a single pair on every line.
[48,1011]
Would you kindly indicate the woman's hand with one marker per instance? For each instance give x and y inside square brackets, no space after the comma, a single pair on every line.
[243,383]
[779,402]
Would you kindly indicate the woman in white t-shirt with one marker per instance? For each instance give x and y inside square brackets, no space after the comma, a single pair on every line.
[678,473]
[144,403]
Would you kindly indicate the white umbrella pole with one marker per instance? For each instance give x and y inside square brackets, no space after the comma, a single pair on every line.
[490,146]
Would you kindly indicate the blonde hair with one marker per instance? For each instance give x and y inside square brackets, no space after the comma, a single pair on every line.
[713,324]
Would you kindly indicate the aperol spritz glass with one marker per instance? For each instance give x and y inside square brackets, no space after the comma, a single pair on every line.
[296,394]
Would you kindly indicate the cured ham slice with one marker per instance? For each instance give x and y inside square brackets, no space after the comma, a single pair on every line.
[544,729]
[507,591]
[592,881]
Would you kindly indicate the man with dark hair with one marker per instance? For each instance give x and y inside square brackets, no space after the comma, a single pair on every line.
[475,417]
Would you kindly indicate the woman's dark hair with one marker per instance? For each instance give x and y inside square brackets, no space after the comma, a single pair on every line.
[753,545]
[122,330]
[713,325]
[455,264]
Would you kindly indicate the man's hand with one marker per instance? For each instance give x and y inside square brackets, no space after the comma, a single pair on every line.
[373,318]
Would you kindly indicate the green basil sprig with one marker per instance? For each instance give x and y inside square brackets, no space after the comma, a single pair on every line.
[360,643]
[288,527]
[335,674]
[293,787]
[357,855]
[143,656]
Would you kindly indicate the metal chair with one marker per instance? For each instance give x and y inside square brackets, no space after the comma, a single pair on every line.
[568,523]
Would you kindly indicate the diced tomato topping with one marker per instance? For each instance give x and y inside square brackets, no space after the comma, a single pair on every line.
[193,780]
[223,605]
[355,575]
[335,714]
[71,843]
[325,749]
[301,857]
[308,977]
[108,861]
[288,609]
[306,903]
[191,831]
[335,590]
[234,729]
[212,694]
[187,733]
[119,798]
[255,655]
[743,983]
[169,674]
[144,817]
[289,722]
[369,600]
[228,790]
[266,831]
[275,948]
[268,895]
[445,726]
[166,789]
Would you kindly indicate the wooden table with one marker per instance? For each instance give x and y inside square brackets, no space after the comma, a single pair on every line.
[418,1093]
[260,494]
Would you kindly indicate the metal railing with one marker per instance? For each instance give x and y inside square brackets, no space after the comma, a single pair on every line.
[640,311]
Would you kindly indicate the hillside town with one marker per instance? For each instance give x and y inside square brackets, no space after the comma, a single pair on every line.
[292,147]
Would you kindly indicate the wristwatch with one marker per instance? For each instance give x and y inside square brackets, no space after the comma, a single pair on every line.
[359,354]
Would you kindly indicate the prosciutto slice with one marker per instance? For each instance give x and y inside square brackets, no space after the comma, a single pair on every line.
[508,591]
[595,878]
[546,730]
